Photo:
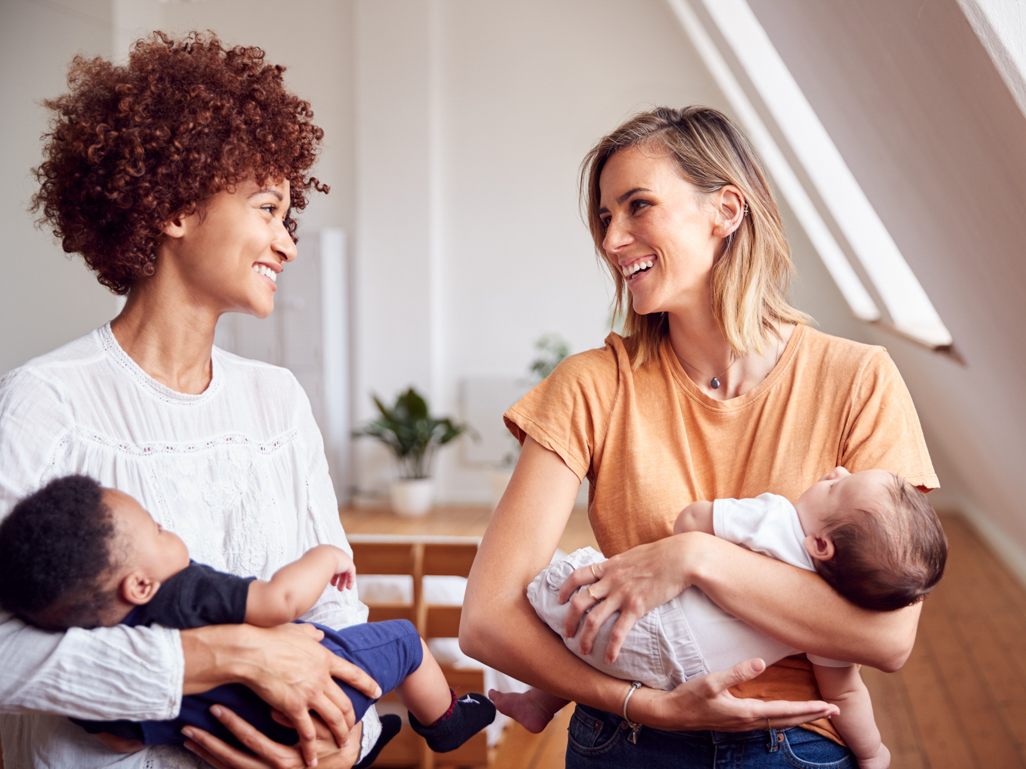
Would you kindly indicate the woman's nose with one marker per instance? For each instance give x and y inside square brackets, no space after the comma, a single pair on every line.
[284,245]
[617,236]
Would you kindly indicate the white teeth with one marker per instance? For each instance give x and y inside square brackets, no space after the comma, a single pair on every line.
[637,267]
[263,269]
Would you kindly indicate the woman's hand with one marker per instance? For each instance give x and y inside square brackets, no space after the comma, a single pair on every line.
[269,754]
[632,583]
[286,667]
[705,703]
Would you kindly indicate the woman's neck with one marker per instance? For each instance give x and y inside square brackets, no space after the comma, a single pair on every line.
[167,338]
[704,353]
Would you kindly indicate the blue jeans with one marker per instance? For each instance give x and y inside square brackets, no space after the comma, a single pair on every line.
[598,740]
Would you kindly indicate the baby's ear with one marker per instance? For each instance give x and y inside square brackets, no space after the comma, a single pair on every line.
[820,547]
[138,589]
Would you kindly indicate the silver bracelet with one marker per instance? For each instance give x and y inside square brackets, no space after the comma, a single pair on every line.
[635,685]
[633,726]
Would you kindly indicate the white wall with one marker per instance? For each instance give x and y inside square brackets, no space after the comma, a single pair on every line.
[45,298]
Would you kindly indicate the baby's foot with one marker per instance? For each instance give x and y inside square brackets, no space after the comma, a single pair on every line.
[465,717]
[532,709]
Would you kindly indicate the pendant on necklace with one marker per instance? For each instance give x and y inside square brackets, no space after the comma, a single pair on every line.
[715,383]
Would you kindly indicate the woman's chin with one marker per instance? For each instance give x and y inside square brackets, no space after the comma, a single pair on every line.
[262,310]
[643,307]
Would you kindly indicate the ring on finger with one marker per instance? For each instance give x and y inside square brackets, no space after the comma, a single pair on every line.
[593,596]
[594,576]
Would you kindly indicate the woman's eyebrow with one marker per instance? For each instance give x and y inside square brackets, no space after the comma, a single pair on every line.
[271,191]
[622,198]
[630,192]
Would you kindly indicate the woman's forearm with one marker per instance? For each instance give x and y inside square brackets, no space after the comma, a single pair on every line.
[796,606]
[499,627]
[219,654]
[505,633]
[102,674]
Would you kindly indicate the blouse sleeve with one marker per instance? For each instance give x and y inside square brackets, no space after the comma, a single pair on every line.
[320,518]
[568,412]
[883,429]
[322,526]
[106,673]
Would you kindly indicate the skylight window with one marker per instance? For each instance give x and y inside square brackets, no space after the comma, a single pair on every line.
[908,308]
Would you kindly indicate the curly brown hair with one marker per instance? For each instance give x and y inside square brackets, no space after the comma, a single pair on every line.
[132,146]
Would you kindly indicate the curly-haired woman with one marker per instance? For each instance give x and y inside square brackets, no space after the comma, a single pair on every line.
[175,177]
[717,389]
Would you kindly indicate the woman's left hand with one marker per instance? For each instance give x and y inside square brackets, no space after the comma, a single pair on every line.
[632,583]
[268,753]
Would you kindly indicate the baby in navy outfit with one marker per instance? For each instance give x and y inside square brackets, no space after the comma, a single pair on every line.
[75,554]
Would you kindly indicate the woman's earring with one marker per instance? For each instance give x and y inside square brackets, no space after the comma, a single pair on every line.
[745,212]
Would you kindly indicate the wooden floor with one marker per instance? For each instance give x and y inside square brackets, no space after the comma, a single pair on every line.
[958,703]
[960,700]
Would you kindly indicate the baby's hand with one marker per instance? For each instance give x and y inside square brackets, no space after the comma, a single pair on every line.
[879,760]
[345,572]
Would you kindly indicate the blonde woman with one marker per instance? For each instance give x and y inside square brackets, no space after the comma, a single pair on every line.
[718,388]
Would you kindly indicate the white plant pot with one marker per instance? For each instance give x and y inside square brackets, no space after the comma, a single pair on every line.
[498,480]
[413,497]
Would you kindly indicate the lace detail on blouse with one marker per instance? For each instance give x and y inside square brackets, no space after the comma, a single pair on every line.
[110,346]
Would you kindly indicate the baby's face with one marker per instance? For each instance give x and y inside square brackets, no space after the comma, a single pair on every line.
[840,492]
[152,550]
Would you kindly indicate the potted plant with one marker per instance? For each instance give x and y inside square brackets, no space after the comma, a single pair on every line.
[413,436]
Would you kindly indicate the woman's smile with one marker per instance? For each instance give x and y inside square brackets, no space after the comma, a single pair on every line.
[634,270]
[269,274]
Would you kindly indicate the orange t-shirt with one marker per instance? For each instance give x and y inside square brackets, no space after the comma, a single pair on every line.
[650,442]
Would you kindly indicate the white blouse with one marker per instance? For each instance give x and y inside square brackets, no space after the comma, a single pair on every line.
[238,472]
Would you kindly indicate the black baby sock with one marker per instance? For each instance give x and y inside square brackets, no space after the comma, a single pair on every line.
[465,717]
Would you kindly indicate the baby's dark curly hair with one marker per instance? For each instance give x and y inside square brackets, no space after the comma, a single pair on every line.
[57,554]
[132,146]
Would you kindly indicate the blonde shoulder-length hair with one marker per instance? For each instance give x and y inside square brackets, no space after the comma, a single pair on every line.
[750,278]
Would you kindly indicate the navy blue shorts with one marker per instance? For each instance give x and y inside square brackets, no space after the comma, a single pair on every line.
[387,651]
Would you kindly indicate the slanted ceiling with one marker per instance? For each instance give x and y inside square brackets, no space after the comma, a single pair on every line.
[938,143]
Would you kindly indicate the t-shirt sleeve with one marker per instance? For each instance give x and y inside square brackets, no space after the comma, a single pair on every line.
[198,596]
[568,412]
[883,429]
